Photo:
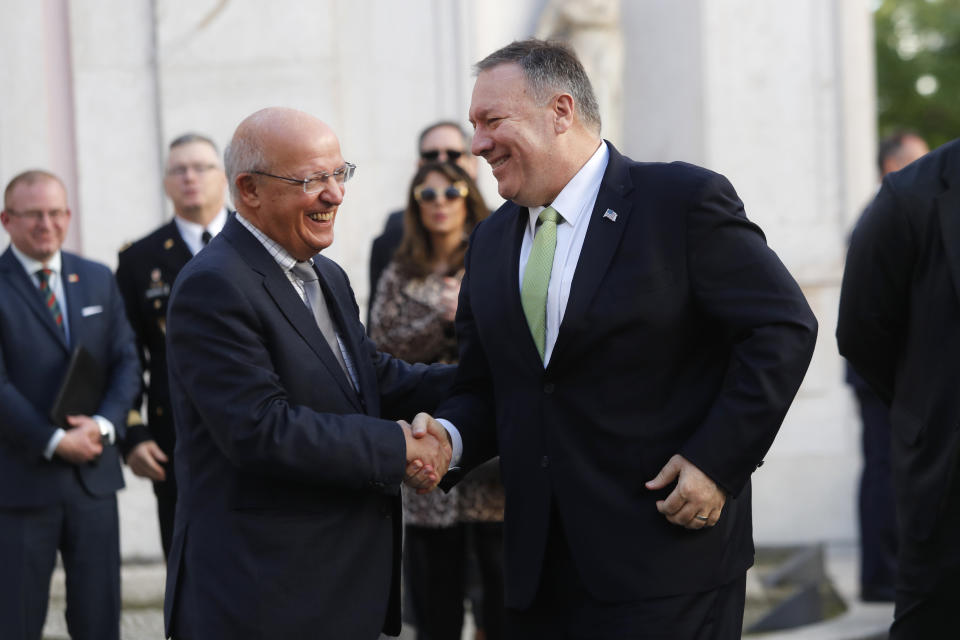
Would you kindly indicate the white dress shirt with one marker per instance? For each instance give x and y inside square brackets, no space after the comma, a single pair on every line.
[55,265]
[192,233]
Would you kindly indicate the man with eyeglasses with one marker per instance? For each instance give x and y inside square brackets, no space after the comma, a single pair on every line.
[58,482]
[443,141]
[197,186]
[288,514]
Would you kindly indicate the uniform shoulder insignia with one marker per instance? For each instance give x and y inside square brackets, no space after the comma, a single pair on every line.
[168,243]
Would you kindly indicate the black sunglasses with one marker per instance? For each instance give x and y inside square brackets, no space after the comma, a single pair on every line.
[429,194]
[434,155]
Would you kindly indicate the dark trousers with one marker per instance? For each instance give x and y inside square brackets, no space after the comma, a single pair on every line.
[166,493]
[435,570]
[878,519]
[86,531]
[564,610]
[928,590]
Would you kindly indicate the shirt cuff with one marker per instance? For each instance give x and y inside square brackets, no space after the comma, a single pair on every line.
[455,440]
[106,425]
[53,442]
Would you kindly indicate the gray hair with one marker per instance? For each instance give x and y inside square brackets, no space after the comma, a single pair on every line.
[242,155]
[187,138]
[549,66]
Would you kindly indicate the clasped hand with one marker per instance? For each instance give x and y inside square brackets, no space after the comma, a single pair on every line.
[81,442]
[428,452]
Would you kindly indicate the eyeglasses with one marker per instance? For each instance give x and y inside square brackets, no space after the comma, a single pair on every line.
[429,194]
[180,170]
[35,215]
[434,154]
[316,182]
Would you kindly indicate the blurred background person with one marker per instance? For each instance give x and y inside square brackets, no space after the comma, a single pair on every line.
[197,186]
[877,508]
[443,141]
[412,318]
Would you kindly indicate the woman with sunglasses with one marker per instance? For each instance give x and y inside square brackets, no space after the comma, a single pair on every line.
[412,318]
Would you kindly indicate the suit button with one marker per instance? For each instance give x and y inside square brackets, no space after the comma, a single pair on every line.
[159,411]
[545,462]
[548,388]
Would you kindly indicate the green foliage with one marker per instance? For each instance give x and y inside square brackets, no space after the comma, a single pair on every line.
[917,38]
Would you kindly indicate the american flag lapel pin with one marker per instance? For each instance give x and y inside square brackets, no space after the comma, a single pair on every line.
[72,277]
[610,215]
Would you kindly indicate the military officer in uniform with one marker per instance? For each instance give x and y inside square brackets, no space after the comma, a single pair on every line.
[196,185]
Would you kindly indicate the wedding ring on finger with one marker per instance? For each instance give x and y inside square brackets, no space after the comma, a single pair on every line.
[701,518]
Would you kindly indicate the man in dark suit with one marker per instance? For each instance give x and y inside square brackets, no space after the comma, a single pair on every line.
[58,483]
[288,517]
[898,327]
[877,505]
[443,141]
[642,332]
[196,185]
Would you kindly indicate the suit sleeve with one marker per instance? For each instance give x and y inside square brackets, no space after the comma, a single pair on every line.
[758,308]
[221,360]
[470,407]
[872,319]
[20,423]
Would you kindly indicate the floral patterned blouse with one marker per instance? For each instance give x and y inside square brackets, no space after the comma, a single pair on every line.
[407,322]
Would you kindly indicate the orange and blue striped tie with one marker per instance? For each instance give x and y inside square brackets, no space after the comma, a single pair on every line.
[49,299]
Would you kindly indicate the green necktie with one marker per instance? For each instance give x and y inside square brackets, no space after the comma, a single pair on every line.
[536,276]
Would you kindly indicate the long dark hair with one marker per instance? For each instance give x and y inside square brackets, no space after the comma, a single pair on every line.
[415,253]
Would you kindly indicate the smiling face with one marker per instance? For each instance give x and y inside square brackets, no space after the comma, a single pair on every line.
[516,136]
[297,147]
[442,217]
[36,217]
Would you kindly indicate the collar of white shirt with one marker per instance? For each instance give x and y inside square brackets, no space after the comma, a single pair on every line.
[32,266]
[580,191]
[192,233]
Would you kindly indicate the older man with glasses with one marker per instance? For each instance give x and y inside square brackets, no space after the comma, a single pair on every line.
[288,516]
[197,186]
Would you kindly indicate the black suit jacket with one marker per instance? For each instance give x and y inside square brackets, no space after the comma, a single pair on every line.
[146,271]
[34,356]
[899,324]
[288,517]
[683,334]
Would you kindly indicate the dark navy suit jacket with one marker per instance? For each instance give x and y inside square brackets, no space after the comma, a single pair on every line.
[34,356]
[683,333]
[288,518]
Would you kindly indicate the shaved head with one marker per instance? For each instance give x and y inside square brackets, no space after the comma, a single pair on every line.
[291,145]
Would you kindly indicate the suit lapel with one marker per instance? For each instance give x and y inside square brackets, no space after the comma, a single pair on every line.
[599,246]
[336,299]
[948,206]
[176,253]
[507,282]
[288,302]
[21,283]
[72,286]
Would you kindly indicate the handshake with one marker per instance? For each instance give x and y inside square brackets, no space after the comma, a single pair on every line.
[428,452]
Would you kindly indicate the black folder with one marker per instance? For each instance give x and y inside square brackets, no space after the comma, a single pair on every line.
[81,389]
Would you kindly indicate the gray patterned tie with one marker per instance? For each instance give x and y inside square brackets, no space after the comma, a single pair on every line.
[305,273]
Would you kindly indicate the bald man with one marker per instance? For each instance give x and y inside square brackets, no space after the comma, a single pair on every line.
[288,515]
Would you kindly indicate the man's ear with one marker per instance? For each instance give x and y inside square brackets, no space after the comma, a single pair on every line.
[563,112]
[248,190]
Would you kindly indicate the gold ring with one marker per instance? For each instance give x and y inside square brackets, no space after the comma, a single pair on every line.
[700,517]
